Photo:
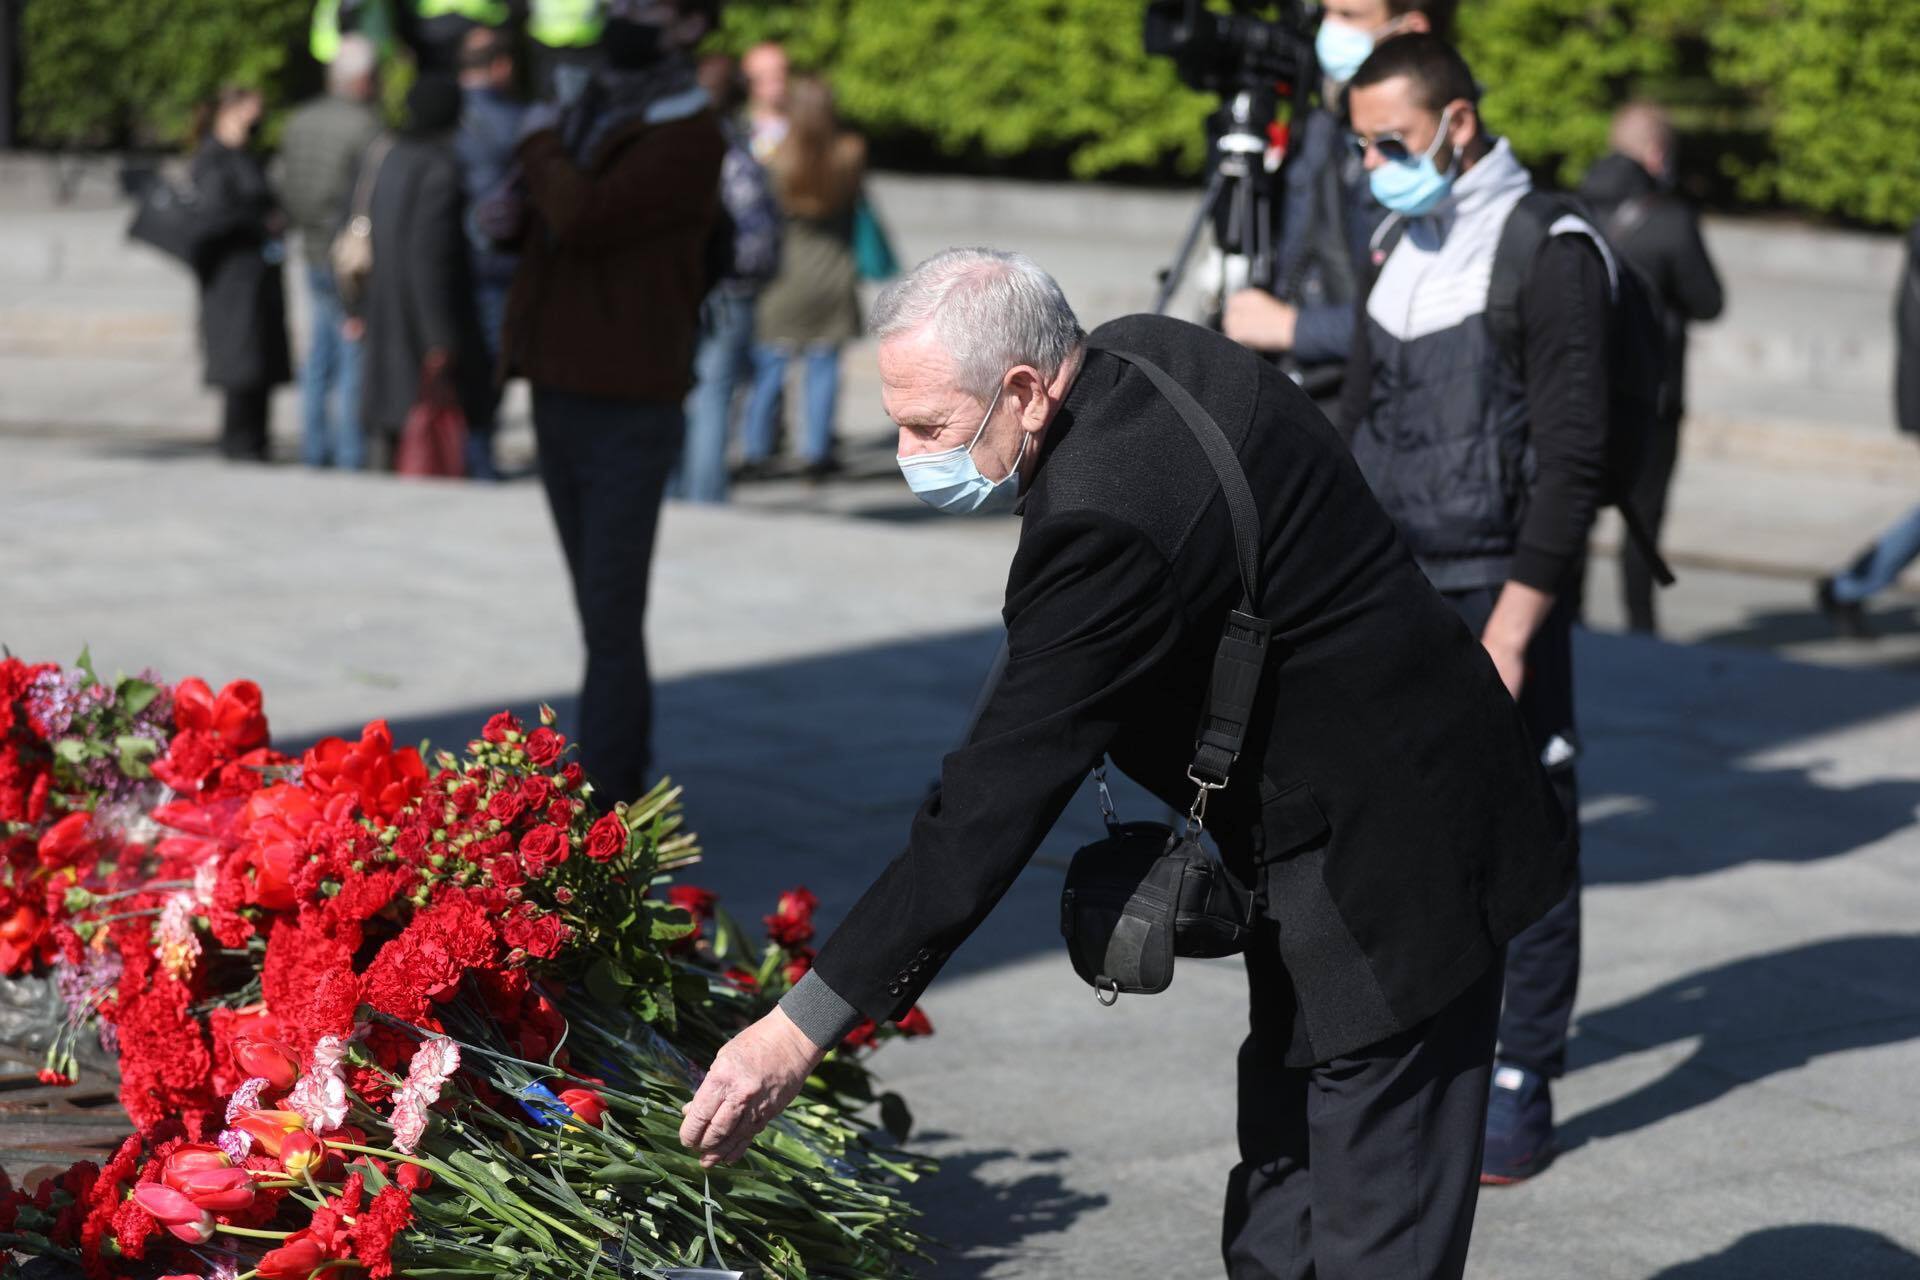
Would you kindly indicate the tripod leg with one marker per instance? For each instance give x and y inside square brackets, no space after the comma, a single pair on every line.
[1170,279]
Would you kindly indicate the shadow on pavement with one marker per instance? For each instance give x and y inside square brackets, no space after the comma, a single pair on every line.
[1683,771]
[1753,1018]
[1801,1253]
[983,1209]
[1775,628]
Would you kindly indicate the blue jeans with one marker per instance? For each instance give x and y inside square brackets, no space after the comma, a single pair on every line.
[724,354]
[332,368]
[1880,563]
[823,396]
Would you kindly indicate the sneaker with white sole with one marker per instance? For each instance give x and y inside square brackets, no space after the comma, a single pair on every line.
[1519,1126]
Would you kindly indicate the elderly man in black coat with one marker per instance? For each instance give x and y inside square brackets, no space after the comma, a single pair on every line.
[1387,806]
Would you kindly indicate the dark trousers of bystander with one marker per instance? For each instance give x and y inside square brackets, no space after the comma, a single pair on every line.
[1543,962]
[1367,1166]
[605,464]
[243,424]
[1649,499]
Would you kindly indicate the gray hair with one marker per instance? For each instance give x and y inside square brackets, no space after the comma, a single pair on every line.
[991,310]
[352,63]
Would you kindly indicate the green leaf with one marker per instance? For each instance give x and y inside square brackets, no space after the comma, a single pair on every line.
[135,696]
[85,663]
[133,753]
[71,750]
[607,982]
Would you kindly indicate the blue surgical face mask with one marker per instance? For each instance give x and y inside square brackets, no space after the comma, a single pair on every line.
[1341,49]
[949,480]
[1412,187]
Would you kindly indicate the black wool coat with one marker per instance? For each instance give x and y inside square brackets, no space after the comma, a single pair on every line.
[420,294]
[243,300]
[1388,791]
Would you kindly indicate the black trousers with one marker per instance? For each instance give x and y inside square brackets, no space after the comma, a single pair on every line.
[1543,962]
[1366,1167]
[605,464]
[1649,499]
[243,423]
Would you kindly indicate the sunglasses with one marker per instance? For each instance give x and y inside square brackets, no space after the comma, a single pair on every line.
[1393,146]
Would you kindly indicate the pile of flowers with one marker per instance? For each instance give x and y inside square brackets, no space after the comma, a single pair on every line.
[377,1015]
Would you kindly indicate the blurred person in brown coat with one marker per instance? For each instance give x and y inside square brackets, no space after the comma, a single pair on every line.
[622,192]
[811,307]
[243,301]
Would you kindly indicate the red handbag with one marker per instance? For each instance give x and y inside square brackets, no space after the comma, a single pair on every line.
[433,441]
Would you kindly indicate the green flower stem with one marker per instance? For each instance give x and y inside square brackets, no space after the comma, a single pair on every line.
[479,1194]
[251,1232]
[99,898]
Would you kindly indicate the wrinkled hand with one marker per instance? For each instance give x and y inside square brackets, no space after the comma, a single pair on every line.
[1255,318]
[1510,662]
[753,1079]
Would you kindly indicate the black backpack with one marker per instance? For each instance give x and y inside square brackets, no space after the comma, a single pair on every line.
[1637,372]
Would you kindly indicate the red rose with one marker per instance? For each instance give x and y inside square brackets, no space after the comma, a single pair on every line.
[573,775]
[505,807]
[798,965]
[502,724]
[861,1036]
[543,847]
[915,1023]
[544,746]
[607,838]
[560,812]
[536,791]
[700,902]
[507,872]
[791,924]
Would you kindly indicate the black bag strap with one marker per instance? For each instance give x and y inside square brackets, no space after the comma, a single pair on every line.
[1241,658]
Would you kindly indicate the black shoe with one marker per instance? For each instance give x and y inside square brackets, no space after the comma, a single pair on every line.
[1848,618]
[823,469]
[1519,1126]
[751,471]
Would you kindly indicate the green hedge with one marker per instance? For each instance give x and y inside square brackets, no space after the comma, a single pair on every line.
[1811,104]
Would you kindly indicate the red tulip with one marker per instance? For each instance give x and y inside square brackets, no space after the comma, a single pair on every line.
[297,1259]
[586,1104]
[215,1190]
[193,1157]
[174,1211]
[269,1128]
[65,841]
[271,1060]
[300,1152]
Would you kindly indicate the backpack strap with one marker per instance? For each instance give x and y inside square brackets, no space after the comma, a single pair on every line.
[1526,229]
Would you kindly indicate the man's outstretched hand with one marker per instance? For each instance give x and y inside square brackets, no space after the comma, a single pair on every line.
[753,1079]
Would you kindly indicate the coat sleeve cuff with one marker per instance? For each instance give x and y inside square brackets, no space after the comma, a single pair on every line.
[1540,569]
[819,1011]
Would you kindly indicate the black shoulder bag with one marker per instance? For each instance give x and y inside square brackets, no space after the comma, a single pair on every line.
[1148,893]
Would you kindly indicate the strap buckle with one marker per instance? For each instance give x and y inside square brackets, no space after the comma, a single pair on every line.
[1107,813]
[1197,813]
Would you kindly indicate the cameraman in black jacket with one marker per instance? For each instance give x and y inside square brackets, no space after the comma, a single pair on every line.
[1326,214]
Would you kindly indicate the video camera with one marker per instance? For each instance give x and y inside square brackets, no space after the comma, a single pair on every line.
[1246,58]
[1225,52]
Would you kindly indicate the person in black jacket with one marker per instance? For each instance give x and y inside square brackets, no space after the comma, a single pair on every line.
[1843,596]
[1631,192]
[243,300]
[1387,803]
[421,316]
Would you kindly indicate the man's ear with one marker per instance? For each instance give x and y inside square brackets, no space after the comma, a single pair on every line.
[1463,126]
[1031,390]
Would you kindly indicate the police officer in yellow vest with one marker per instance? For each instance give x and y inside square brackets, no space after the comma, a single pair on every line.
[565,43]
[432,29]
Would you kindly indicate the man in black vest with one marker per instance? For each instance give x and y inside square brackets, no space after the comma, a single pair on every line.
[1488,452]
[1387,804]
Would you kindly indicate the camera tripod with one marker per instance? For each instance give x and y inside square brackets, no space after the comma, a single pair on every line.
[1238,200]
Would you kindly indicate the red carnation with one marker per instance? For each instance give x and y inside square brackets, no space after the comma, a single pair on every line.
[544,746]
[607,838]
[376,1227]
